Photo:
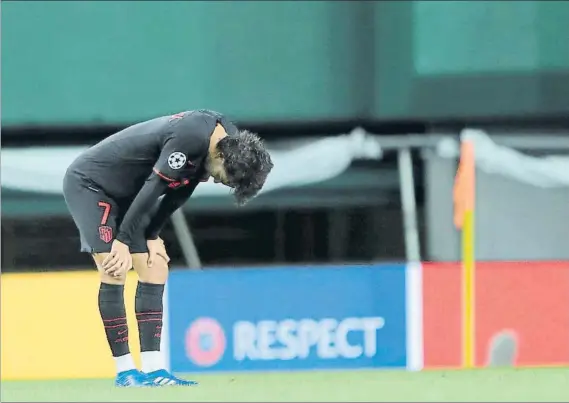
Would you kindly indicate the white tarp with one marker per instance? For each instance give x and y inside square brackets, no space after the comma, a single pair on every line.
[545,172]
[41,169]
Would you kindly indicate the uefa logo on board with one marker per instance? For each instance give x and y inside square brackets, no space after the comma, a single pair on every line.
[205,342]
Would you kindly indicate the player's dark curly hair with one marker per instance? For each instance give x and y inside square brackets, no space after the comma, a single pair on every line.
[247,164]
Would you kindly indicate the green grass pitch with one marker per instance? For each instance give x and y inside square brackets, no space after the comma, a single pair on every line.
[496,385]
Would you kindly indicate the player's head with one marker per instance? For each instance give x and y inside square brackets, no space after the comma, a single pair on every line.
[242,163]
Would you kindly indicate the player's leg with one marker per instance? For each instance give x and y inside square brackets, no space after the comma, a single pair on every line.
[149,308]
[113,315]
[95,215]
[149,314]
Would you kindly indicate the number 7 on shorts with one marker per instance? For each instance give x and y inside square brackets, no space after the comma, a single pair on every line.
[105,232]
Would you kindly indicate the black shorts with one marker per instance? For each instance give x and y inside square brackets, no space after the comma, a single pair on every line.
[98,216]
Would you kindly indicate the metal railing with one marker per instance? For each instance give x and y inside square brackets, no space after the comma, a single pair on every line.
[403,145]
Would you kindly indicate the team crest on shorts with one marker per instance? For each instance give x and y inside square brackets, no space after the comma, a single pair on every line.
[106,233]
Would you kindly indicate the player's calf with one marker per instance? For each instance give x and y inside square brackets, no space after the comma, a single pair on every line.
[149,313]
[113,315]
[149,308]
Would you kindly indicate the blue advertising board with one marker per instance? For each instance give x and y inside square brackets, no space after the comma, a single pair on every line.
[287,318]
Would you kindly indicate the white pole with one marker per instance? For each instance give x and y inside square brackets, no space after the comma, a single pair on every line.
[408,205]
[184,236]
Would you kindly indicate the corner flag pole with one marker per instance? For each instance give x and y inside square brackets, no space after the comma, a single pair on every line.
[464,195]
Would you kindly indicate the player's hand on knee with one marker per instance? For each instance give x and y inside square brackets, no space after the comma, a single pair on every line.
[119,261]
[156,248]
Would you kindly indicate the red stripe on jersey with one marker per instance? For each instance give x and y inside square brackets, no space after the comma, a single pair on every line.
[160,174]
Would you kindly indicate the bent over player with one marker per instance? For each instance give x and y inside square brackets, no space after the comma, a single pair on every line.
[121,191]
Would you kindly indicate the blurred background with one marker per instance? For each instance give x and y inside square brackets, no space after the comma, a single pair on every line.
[75,72]
[403,78]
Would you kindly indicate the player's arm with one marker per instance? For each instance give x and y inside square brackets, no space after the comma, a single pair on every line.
[153,188]
[186,140]
[170,203]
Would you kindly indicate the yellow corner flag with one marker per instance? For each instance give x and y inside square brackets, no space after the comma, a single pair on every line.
[464,195]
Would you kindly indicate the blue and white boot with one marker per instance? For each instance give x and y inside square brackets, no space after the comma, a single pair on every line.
[132,378]
[165,378]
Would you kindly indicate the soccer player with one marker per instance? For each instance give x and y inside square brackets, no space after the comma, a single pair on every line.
[121,191]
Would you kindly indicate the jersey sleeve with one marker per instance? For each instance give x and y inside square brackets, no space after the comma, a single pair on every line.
[185,145]
[170,203]
[148,195]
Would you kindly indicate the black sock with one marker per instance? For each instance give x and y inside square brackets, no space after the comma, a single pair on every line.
[148,307]
[113,314]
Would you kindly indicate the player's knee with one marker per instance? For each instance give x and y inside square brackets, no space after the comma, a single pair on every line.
[105,278]
[157,274]
[99,258]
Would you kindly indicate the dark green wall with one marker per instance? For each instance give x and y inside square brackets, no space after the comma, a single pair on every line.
[83,62]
